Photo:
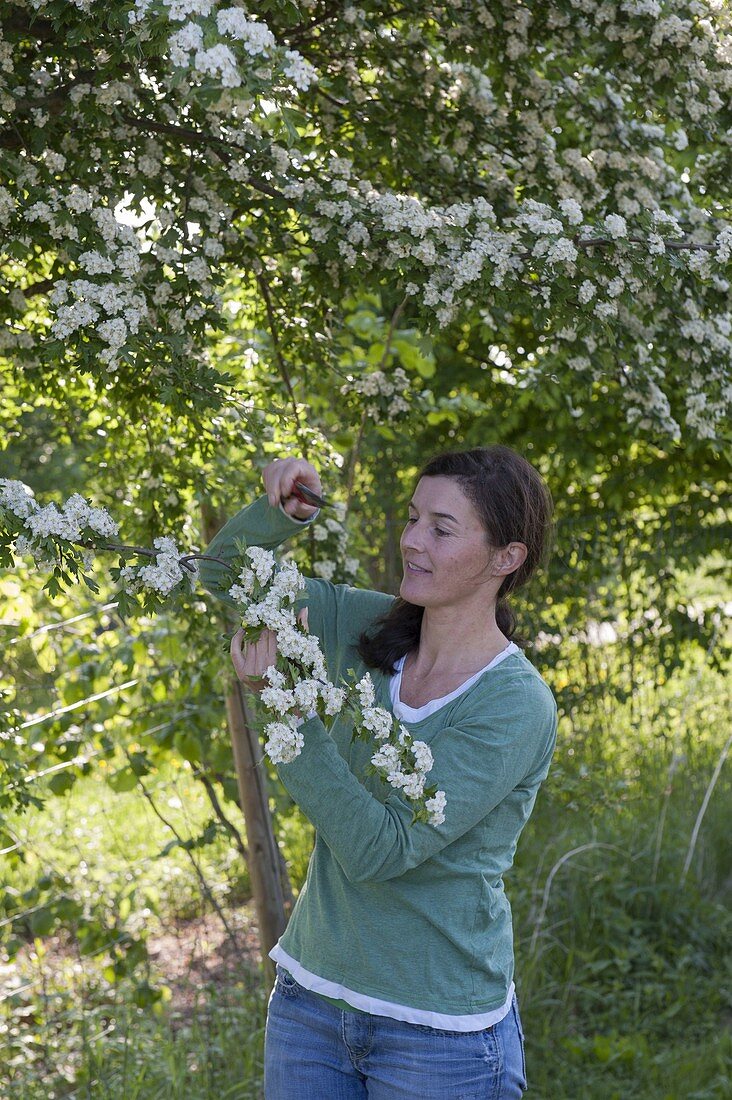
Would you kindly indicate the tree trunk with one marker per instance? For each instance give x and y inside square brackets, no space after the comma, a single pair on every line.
[267,871]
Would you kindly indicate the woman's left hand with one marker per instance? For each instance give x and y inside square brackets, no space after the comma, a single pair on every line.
[252,659]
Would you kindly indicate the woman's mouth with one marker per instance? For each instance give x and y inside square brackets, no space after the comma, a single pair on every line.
[415,568]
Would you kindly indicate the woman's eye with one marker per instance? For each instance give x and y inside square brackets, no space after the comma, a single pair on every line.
[437,530]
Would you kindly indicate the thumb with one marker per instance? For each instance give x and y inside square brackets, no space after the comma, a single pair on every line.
[302,617]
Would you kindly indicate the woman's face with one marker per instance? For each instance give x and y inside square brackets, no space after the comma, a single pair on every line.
[444,547]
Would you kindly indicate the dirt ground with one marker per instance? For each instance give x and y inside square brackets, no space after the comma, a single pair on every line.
[192,957]
[199,953]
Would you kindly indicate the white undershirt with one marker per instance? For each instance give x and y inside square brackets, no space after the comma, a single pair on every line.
[440,1020]
[416,714]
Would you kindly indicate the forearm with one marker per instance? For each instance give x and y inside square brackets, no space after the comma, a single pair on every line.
[476,764]
[358,828]
[257,524]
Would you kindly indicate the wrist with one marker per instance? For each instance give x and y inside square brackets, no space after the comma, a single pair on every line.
[255,684]
[301,513]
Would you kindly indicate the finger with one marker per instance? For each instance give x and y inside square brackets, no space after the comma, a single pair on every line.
[302,617]
[235,646]
[265,653]
[238,658]
[271,477]
[283,473]
[252,659]
[308,475]
[261,655]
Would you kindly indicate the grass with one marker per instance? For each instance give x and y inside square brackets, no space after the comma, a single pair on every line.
[111,1051]
[622,959]
[102,840]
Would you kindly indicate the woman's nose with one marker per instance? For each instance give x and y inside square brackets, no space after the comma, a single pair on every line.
[412,537]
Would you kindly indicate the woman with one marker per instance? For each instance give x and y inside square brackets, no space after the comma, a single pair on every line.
[395,973]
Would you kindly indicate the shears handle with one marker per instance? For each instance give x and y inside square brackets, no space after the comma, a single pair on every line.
[307,496]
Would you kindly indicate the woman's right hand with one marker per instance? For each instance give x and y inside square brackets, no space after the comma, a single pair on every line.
[279,480]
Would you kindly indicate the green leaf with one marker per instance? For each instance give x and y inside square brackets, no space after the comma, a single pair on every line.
[231,789]
[140,763]
[413,359]
[123,780]
[146,995]
[42,921]
[61,782]
[189,746]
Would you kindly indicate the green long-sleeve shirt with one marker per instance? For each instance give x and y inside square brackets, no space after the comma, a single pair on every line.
[410,914]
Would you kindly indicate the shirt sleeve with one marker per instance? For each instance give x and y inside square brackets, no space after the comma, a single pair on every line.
[258,524]
[337,613]
[477,762]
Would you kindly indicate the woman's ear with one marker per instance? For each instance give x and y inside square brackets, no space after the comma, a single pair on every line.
[509,558]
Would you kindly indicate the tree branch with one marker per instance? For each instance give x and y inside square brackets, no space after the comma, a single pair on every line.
[146,552]
[599,242]
[43,286]
[676,246]
[301,29]
[201,139]
[40,29]
[282,366]
[199,873]
[217,809]
[353,459]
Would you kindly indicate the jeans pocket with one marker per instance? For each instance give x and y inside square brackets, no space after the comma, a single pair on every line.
[520,1030]
[285,983]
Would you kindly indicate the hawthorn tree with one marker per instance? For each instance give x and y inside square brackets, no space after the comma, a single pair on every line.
[567,161]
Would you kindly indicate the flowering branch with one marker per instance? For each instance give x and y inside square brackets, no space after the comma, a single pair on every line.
[52,535]
[266,595]
[624,144]
[590,242]
[204,139]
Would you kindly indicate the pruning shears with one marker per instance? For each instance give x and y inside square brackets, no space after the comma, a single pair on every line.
[307,496]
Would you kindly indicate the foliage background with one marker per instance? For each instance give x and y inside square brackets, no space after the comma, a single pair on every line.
[119,823]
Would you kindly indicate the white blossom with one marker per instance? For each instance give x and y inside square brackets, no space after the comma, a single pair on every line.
[587,292]
[284,741]
[723,245]
[220,62]
[616,226]
[263,563]
[378,721]
[306,694]
[17,497]
[333,698]
[166,573]
[436,808]
[180,44]
[256,36]
[572,211]
[365,691]
[279,700]
[299,71]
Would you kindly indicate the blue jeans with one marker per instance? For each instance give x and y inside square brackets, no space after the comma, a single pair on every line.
[315,1051]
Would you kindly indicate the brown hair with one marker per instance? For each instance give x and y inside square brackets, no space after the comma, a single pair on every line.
[514,505]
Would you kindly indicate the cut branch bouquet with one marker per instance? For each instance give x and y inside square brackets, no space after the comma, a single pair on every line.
[266,595]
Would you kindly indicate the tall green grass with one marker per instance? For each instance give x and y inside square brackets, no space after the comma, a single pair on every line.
[623,957]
